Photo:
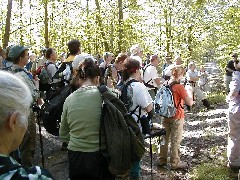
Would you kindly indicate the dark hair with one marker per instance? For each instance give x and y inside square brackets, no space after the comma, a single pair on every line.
[16,60]
[88,69]
[121,57]
[49,52]
[130,67]
[73,46]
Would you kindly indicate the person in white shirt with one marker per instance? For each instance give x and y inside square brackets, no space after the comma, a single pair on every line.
[168,70]
[192,78]
[150,76]
[137,53]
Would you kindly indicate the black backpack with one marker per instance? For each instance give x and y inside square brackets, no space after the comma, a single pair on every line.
[124,140]
[51,110]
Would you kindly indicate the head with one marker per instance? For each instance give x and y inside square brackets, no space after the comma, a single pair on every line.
[43,51]
[131,67]
[13,114]
[234,56]
[51,54]
[32,56]
[89,70]
[154,60]
[74,47]
[191,66]
[19,55]
[108,57]
[237,64]
[178,72]
[178,60]
[168,59]
[136,50]
[202,69]
[119,61]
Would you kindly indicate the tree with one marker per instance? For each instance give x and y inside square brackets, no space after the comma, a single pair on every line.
[7,26]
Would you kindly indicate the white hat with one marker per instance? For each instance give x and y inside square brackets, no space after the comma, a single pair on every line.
[135,49]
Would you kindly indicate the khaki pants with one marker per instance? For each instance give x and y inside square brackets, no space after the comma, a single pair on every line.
[174,131]
[28,145]
[233,147]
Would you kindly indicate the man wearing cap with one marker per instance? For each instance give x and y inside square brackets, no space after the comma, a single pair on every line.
[150,76]
[19,56]
[229,71]
[168,70]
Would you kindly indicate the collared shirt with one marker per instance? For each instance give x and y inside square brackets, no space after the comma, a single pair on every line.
[11,169]
[191,74]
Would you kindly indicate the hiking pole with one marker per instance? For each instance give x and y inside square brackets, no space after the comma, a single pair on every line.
[37,108]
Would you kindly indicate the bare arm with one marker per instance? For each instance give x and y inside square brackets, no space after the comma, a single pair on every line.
[188,101]
[149,107]
[158,81]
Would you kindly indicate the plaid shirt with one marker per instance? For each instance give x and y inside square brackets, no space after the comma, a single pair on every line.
[11,169]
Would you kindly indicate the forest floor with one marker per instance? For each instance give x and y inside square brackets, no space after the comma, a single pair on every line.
[204,140]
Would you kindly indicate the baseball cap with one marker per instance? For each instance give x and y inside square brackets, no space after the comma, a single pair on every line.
[16,50]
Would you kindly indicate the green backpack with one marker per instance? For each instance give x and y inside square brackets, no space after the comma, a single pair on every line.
[124,141]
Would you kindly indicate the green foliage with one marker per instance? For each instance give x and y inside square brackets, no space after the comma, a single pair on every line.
[217,98]
[211,171]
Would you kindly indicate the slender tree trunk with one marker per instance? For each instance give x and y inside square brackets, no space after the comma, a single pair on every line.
[21,22]
[190,41]
[99,20]
[88,29]
[120,25]
[46,23]
[7,27]
[167,32]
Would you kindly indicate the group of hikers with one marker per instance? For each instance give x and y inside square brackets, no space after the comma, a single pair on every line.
[27,82]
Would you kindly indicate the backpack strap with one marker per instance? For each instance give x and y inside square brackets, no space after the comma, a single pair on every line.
[8,168]
[147,83]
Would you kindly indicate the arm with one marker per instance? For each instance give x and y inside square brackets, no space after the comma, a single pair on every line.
[188,101]
[158,81]
[148,108]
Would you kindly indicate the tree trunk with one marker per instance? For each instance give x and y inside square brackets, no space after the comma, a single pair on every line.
[46,23]
[21,22]
[167,32]
[99,20]
[7,27]
[120,24]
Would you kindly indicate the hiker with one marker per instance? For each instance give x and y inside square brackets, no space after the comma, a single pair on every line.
[41,60]
[233,98]
[150,76]
[192,78]
[139,96]
[19,56]
[164,67]
[32,59]
[174,125]
[108,57]
[168,69]
[203,79]
[137,53]
[13,125]
[113,73]
[229,71]
[80,124]
[2,56]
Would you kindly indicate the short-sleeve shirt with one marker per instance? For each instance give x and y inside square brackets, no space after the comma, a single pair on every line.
[230,65]
[150,74]
[191,74]
[234,103]
[179,94]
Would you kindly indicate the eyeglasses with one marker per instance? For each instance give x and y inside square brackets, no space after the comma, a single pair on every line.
[237,61]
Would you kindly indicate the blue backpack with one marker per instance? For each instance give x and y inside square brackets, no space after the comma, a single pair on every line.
[164,101]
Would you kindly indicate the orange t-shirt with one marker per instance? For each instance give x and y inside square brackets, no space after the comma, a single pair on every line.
[179,93]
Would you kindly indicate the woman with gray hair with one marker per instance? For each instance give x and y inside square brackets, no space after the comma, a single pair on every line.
[15,102]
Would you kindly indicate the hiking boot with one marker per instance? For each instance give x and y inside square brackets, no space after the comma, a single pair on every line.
[181,165]
[64,146]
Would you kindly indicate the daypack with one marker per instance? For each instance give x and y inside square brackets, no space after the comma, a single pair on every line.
[42,73]
[124,141]
[51,110]
[164,101]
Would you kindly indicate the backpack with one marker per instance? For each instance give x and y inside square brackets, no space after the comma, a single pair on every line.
[164,101]
[124,141]
[43,74]
[51,110]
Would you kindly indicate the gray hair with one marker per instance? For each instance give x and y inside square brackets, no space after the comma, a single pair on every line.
[15,96]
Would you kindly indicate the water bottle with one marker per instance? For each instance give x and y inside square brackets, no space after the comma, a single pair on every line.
[162,140]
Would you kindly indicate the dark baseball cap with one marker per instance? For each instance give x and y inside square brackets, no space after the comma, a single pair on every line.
[16,50]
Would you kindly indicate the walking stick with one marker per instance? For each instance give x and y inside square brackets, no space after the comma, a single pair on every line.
[40,133]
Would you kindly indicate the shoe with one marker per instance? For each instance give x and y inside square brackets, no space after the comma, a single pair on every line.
[181,165]
[64,146]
